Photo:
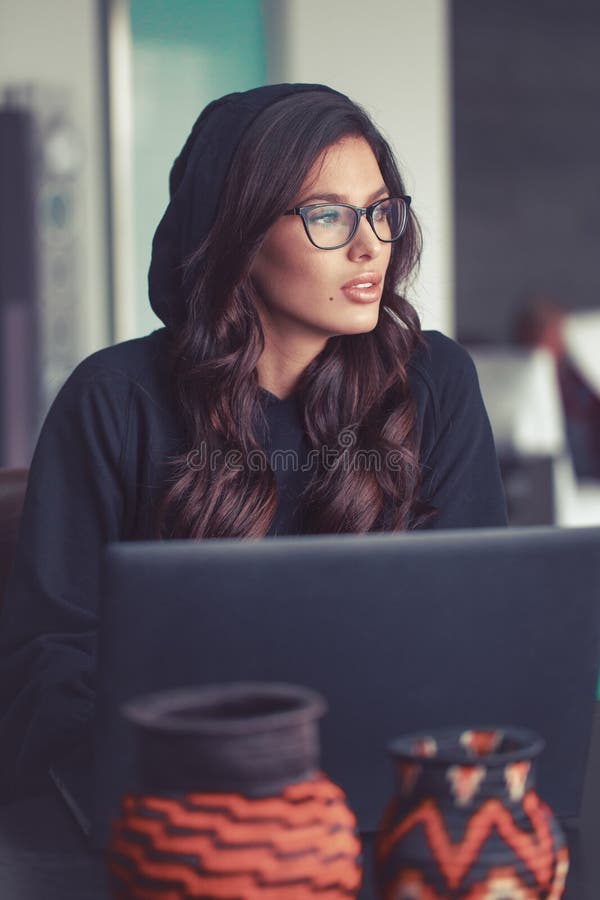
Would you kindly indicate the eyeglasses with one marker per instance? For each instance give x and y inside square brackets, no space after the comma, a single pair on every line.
[332,225]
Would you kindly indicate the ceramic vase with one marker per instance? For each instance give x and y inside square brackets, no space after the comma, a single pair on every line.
[232,803]
[466,822]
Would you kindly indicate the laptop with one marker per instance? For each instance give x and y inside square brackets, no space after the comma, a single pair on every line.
[399,632]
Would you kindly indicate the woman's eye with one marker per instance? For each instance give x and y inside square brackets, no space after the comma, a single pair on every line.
[381,212]
[325,217]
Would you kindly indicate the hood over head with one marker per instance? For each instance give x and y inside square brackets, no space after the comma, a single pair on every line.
[195,184]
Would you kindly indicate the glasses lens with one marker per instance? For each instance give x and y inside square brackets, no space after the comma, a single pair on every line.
[330,225]
[389,218]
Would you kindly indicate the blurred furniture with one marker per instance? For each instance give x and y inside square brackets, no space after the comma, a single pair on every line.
[522,396]
[521,393]
[529,486]
[43,236]
[582,340]
[13,483]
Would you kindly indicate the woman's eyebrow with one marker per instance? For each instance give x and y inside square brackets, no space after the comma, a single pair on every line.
[340,198]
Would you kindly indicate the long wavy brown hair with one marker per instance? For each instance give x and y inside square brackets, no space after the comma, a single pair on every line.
[357,385]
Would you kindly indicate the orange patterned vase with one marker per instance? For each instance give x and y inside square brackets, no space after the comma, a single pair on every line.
[466,822]
[232,803]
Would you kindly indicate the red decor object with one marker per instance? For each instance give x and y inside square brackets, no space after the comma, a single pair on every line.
[232,803]
[466,822]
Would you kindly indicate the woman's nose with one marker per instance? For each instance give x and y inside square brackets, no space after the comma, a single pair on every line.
[365,242]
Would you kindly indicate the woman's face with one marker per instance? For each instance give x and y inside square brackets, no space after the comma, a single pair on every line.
[309,294]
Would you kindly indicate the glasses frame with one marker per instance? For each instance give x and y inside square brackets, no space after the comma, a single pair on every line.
[359,212]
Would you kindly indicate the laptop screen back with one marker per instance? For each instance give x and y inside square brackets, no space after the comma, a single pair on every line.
[398,632]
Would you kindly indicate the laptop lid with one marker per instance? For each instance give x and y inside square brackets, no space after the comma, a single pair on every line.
[399,632]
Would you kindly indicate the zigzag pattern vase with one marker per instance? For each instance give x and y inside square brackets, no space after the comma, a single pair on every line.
[233,805]
[467,823]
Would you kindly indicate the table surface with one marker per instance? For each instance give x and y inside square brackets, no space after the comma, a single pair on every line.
[43,853]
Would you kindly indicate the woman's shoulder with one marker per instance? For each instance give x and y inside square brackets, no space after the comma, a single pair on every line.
[139,358]
[105,384]
[442,375]
[438,356]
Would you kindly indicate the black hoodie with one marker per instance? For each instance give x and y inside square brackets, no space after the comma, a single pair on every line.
[100,464]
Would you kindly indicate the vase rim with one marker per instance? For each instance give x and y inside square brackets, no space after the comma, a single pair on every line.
[194,710]
[413,746]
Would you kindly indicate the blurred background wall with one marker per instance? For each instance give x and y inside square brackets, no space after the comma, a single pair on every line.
[56,48]
[54,262]
[526,98]
[185,53]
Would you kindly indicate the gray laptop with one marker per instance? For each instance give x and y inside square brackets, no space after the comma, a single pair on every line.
[399,632]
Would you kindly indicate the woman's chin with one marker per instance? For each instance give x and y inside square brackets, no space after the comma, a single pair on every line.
[363,323]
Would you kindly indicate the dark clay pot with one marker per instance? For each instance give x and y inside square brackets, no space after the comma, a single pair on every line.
[466,822]
[232,802]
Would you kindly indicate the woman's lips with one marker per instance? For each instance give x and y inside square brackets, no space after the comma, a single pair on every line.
[365,288]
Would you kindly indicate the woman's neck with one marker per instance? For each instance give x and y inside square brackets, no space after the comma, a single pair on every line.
[284,360]
[278,378]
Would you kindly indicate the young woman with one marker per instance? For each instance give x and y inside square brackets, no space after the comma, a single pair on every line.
[290,391]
